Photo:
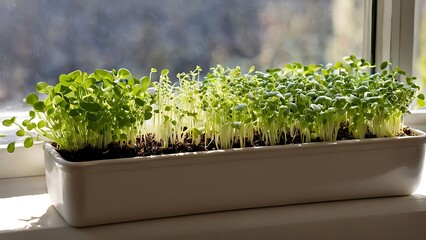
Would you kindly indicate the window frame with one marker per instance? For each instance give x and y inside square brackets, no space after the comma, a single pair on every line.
[395,42]
[395,33]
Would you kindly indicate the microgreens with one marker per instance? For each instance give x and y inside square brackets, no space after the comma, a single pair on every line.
[87,110]
[311,101]
[228,108]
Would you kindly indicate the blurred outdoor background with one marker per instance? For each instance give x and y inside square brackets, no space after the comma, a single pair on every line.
[41,39]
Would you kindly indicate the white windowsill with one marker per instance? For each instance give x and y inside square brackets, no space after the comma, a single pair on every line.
[26,213]
[417,119]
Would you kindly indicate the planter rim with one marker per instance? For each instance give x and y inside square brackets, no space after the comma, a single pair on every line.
[419,138]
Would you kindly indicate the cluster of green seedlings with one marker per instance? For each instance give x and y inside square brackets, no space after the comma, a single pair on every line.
[87,110]
[310,101]
[228,107]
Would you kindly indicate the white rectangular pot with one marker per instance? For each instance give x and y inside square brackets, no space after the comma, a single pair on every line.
[109,191]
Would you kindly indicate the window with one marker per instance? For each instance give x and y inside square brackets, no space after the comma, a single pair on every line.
[42,39]
[398,39]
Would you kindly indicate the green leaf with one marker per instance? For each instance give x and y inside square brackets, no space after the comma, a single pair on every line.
[32,114]
[65,80]
[20,133]
[8,122]
[117,90]
[421,96]
[312,94]
[41,124]
[11,147]
[57,99]
[293,107]
[330,110]
[124,73]
[103,74]
[198,131]
[271,71]
[77,76]
[361,89]
[132,120]
[39,106]
[31,126]
[373,99]
[90,106]
[25,122]
[92,117]
[315,107]
[2,135]
[251,69]
[145,82]
[89,83]
[123,85]
[132,81]
[240,107]
[147,115]
[354,100]
[164,72]
[50,112]
[61,88]
[31,99]
[73,112]
[298,65]
[107,83]
[400,71]
[368,94]
[354,108]
[28,142]
[323,100]
[139,102]
[383,65]
[41,87]
[136,89]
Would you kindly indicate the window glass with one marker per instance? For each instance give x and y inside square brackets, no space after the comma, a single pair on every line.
[41,39]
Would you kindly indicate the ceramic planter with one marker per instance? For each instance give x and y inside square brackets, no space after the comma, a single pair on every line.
[109,191]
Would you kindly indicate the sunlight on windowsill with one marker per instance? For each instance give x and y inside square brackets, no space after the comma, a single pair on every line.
[421,190]
[23,212]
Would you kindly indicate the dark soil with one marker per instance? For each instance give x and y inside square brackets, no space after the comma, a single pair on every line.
[149,146]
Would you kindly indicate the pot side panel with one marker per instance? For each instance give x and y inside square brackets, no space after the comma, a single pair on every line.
[109,193]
